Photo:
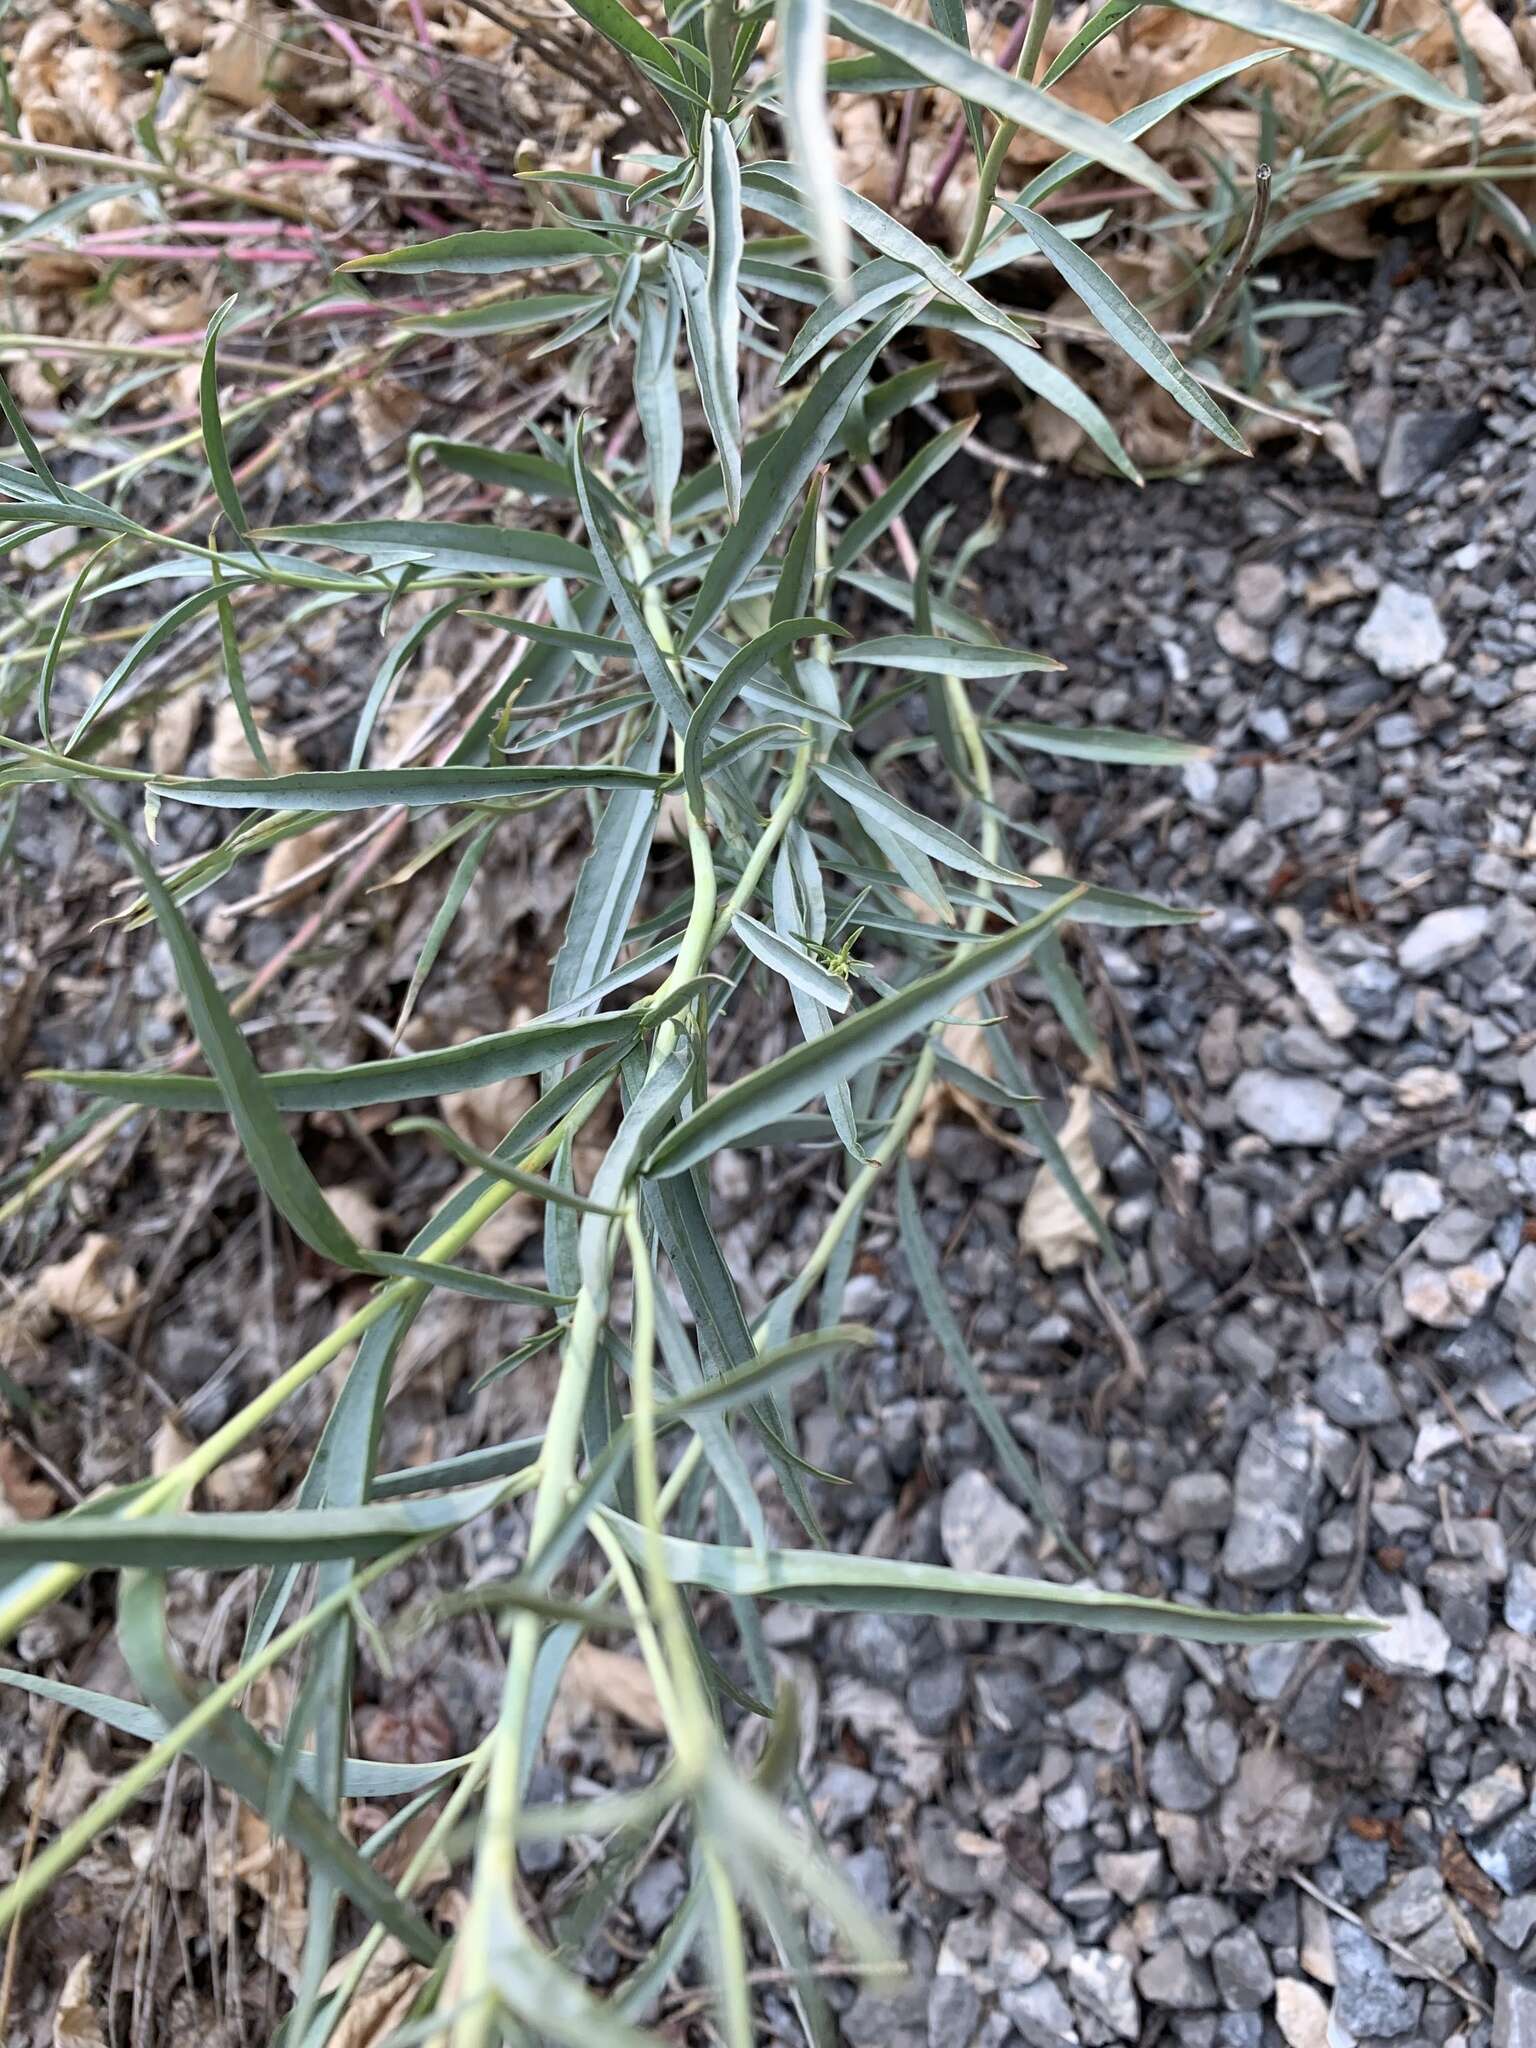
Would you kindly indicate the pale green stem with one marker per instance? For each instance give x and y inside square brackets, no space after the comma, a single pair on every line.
[492,1891]
[860,1187]
[1002,138]
[694,1735]
[35,1593]
[75,1839]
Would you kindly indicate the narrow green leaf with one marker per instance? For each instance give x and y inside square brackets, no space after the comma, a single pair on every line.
[926,655]
[802,42]
[877,518]
[783,474]
[507,468]
[1300,29]
[615,24]
[949,19]
[234,670]
[1098,743]
[773,1369]
[513,1177]
[271,1152]
[1093,31]
[447,547]
[608,887]
[652,662]
[657,401]
[42,476]
[1128,328]
[799,910]
[924,1268]
[215,452]
[720,173]
[787,1083]
[465,870]
[876,805]
[475,1063]
[329,790]
[1138,120]
[1035,370]
[942,64]
[773,188]
[791,963]
[388,673]
[488,252]
[740,670]
[882,1585]
[154,636]
[572,639]
[227,1542]
[60,633]
[872,285]
[507,316]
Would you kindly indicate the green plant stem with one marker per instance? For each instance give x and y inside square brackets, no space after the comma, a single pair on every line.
[492,1908]
[477,1767]
[1002,137]
[861,1186]
[74,1840]
[40,1590]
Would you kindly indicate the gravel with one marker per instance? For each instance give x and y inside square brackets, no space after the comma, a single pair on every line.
[1403,635]
[1313,1384]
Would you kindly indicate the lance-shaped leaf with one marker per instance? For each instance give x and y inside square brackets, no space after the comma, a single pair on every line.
[866,528]
[225,489]
[942,63]
[926,655]
[877,806]
[802,40]
[1099,743]
[476,1063]
[1036,372]
[227,1542]
[882,1585]
[488,252]
[783,474]
[773,188]
[873,285]
[1093,31]
[653,664]
[1300,29]
[522,315]
[657,401]
[784,1085]
[740,670]
[1126,326]
[721,175]
[792,963]
[446,547]
[366,789]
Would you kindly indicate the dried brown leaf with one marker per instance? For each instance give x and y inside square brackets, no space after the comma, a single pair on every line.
[75,2024]
[1051,1228]
[606,1681]
[96,1288]
[23,1496]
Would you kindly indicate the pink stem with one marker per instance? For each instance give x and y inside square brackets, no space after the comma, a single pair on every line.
[901,533]
[944,170]
[190,252]
[435,66]
[350,47]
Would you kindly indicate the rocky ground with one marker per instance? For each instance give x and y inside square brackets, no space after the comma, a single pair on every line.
[1313,1386]
[1322,1159]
